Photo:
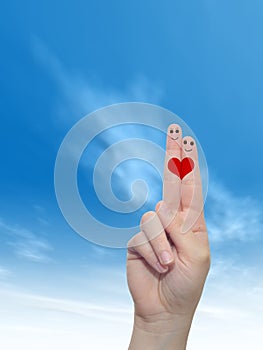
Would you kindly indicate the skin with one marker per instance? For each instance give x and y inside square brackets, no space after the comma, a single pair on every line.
[167,267]
[172,184]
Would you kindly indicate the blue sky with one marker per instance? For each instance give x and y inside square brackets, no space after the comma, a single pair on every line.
[59,61]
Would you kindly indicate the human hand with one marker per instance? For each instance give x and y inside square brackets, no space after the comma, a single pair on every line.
[166,266]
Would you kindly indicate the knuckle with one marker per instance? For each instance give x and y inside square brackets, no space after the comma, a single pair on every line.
[159,240]
[150,257]
[136,240]
[146,217]
[158,205]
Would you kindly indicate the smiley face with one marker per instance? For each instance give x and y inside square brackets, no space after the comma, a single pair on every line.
[174,137]
[174,132]
[188,145]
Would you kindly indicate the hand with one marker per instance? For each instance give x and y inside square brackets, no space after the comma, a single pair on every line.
[166,266]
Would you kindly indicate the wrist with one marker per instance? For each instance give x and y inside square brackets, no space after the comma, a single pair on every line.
[164,323]
[165,333]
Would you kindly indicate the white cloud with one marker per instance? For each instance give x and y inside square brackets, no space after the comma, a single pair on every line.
[26,244]
[232,217]
[231,305]
[4,272]
[81,96]
[229,316]
[99,311]
[55,323]
[230,313]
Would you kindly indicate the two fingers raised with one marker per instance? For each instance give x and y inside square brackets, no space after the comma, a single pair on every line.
[182,196]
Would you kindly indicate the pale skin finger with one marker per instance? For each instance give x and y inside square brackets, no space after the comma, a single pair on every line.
[154,231]
[172,222]
[191,188]
[144,251]
[193,245]
[189,218]
[172,181]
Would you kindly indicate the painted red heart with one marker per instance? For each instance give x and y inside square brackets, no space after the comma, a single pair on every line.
[181,168]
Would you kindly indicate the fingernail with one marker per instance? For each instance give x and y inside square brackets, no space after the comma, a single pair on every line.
[160,268]
[166,257]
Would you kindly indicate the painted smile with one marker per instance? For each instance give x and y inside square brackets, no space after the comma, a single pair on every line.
[188,150]
[176,138]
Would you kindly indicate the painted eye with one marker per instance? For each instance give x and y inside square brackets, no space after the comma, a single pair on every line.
[192,143]
[171,131]
[185,142]
[176,131]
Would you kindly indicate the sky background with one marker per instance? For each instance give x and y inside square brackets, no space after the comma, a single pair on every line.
[61,60]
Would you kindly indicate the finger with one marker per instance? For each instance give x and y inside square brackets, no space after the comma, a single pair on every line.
[154,231]
[172,223]
[145,251]
[191,187]
[194,245]
[172,181]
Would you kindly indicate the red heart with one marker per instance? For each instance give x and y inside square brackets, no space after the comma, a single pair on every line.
[181,168]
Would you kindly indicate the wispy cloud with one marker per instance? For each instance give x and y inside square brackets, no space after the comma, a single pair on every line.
[80,95]
[231,303]
[54,322]
[233,292]
[26,244]
[224,307]
[4,272]
[232,217]
[122,314]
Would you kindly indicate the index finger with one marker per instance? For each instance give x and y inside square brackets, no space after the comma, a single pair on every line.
[172,164]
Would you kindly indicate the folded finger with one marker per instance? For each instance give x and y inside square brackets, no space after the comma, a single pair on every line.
[145,251]
[154,231]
